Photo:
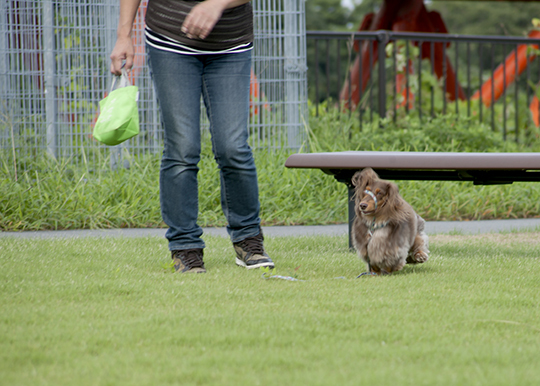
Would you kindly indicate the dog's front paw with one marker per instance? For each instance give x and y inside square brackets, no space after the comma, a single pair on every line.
[420,257]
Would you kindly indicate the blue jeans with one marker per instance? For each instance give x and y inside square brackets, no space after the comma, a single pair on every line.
[223,81]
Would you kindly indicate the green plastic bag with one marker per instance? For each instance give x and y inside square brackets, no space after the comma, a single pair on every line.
[118,119]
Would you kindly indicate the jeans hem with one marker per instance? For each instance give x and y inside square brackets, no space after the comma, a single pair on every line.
[254,233]
[181,247]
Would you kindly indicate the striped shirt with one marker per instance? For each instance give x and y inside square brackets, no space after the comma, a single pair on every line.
[164,43]
[232,33]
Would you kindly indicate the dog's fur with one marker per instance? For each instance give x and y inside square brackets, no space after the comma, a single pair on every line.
[387,234]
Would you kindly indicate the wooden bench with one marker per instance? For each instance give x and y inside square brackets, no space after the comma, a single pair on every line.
[480,168]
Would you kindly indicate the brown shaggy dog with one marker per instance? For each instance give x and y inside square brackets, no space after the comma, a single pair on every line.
[387,233]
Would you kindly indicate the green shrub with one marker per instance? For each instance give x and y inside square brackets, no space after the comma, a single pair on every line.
[337,131]
[51,194]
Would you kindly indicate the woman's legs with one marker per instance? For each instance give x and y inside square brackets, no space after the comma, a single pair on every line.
[178,85]
[223,80]
[226,80]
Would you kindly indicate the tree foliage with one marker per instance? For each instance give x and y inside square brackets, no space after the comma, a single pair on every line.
[460,17]
[487,18]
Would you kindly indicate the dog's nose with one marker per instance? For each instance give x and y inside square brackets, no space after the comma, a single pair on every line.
[363,206]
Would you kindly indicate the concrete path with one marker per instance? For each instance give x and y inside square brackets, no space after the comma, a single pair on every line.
[432,227]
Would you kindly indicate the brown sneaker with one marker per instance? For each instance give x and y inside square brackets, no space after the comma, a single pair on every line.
[250,253]
[188,261]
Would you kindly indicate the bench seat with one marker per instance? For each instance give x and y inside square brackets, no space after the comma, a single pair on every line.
[480,168]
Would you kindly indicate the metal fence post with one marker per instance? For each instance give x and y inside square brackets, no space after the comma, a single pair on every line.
[49,67]
[291,93]
[4,58]
[111,22]
[382,39]
[294,70]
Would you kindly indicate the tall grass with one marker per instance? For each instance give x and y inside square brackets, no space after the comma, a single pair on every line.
[51,194]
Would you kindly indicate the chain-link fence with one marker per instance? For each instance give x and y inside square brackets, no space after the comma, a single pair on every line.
[54,69]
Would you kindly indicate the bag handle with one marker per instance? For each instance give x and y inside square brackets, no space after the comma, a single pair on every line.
[124,80]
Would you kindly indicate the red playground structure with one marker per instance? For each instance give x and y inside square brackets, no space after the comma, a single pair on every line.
[413,16]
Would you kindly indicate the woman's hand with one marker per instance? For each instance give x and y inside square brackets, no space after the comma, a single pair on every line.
[204,16]
[202,19]
[123,50]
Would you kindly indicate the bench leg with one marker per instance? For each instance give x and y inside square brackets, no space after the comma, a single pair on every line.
[351,213]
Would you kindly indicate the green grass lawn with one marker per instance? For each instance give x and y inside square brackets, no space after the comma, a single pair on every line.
[111,312]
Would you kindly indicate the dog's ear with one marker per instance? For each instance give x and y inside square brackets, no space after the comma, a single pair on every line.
[364,177]
[356,178]
[393,197]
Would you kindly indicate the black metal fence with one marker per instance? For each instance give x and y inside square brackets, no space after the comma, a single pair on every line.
[492,79]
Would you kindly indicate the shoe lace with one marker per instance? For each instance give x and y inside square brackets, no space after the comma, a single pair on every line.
[253,244]
[192,258]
